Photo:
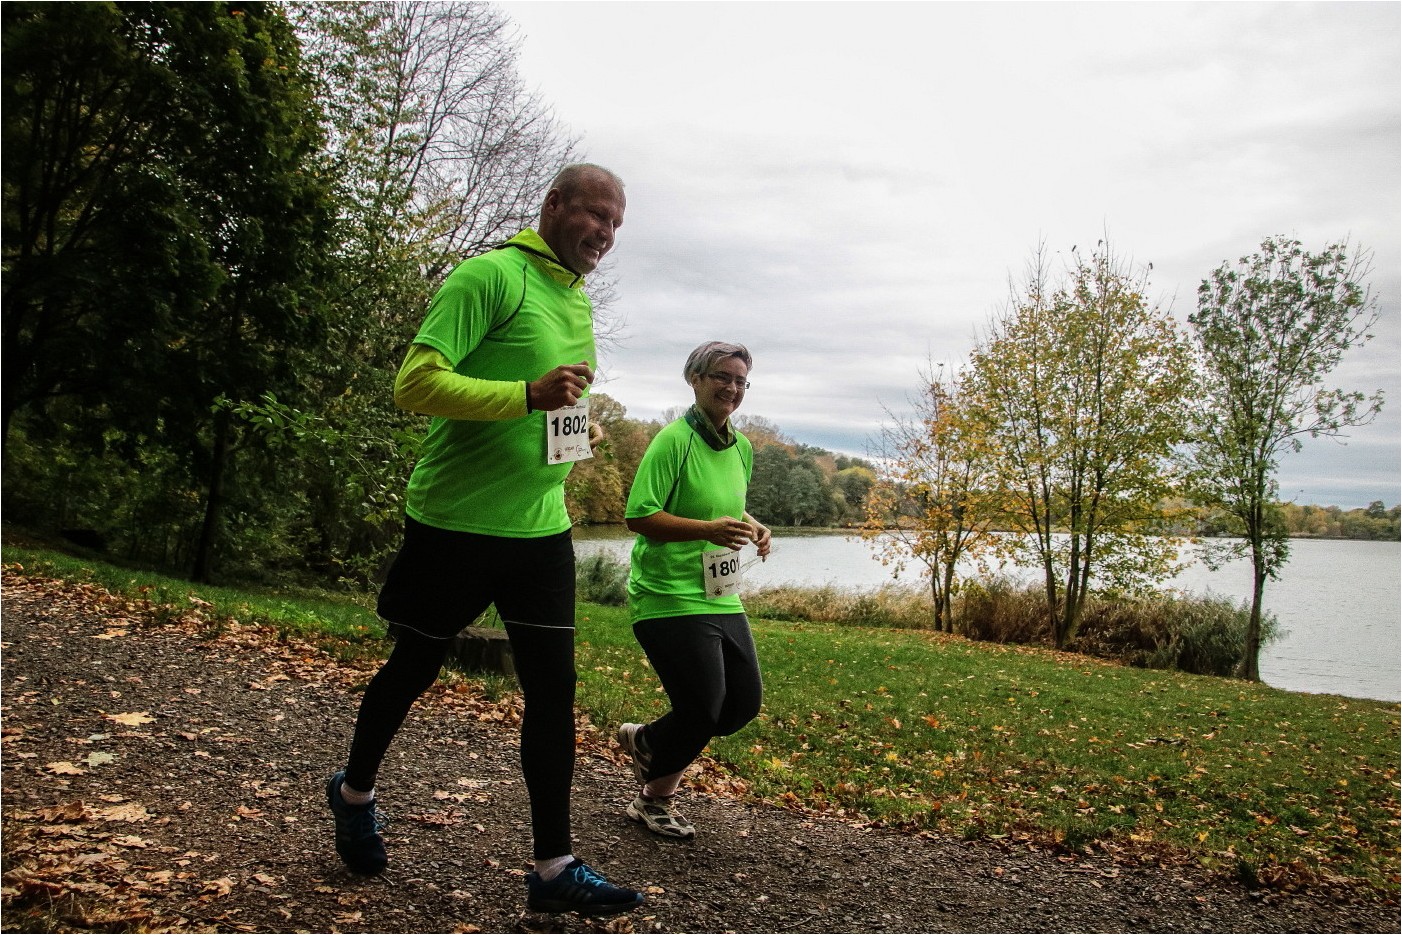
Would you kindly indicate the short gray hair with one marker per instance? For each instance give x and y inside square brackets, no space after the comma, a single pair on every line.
[705,357]
[569,179]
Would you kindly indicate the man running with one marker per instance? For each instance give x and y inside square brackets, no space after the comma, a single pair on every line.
[507,349]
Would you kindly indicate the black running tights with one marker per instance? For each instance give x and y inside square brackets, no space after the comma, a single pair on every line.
[544,659]
[708,666]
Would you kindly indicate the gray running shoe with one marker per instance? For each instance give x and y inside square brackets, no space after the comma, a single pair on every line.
[660,816]
[630,738]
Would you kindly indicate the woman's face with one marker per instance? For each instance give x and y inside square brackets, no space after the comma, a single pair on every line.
[720,390]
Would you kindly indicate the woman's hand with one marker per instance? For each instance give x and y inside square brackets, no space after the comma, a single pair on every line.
[729,532]
[759,535]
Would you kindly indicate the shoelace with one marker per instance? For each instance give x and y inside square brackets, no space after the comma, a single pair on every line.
[586,875]
[378,819]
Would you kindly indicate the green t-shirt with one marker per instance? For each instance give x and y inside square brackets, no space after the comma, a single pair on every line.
[509,314]
[683,475]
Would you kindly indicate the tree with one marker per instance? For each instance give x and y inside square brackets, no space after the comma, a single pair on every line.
[932,500]
[761,432]
[164,227]
[1081,389]
[93,198]
[436,151]
[788,491]
[1269,330]
[852,485]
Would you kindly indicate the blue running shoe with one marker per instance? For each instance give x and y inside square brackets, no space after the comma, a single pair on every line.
[579,889]
[358,838]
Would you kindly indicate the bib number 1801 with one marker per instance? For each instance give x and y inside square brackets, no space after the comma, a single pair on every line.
[720,572]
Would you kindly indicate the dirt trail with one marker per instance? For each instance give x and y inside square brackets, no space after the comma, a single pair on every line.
[167,774]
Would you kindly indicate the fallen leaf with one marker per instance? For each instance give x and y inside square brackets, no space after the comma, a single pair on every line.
[72,811]
[132,718]
[99,758]
[64,768]
[130,840]
[132,811]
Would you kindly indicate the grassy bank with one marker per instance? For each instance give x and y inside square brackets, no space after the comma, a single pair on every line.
[986,741]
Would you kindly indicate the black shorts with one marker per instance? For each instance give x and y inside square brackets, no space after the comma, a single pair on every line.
[442,580]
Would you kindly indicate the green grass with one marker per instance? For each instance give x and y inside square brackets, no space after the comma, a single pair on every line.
[987,742]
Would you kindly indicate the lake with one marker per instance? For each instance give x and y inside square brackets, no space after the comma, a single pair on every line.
[1336,600]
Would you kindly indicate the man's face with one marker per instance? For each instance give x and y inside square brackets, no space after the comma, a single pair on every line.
[580,228]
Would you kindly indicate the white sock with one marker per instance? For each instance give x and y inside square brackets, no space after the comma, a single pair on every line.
[550,867]
[663,786]
[354,797]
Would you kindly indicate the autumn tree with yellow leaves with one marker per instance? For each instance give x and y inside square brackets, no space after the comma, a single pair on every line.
[931,502]
[1080,388]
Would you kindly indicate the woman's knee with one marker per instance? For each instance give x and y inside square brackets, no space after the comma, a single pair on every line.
[731,721]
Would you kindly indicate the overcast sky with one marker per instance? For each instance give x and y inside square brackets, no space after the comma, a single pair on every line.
[847,188]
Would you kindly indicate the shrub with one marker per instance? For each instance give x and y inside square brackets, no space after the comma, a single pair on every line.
[1203,635]
[998,611]
[602,579]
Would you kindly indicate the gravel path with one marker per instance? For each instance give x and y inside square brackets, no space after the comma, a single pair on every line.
[166,775]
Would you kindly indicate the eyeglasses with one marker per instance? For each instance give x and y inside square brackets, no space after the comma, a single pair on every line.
[724,379]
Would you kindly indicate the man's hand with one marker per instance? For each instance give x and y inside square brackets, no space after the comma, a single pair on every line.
[596,435]
[561,387]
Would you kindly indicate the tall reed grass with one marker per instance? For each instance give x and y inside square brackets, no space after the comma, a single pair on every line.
[1201,634]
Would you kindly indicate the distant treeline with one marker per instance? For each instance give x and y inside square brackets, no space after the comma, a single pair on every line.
[1325,522]
[797,484]
[793,484]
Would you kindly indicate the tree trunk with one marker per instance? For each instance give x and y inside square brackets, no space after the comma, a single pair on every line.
[947,597]
[214,504]
[936,600]
[1249,667]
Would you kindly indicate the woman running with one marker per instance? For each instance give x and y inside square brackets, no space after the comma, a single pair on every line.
[687,505]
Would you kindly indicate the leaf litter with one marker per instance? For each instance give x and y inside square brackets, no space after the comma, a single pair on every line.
[207,814]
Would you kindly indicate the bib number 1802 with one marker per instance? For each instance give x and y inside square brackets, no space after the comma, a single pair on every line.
[567,433]
[565,426]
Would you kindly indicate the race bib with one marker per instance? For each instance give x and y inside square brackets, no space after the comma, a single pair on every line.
[567,434]
[720,572]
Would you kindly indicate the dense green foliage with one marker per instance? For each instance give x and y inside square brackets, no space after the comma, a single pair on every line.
[165,228]
[220,230]
[987,742]
[1270,330]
